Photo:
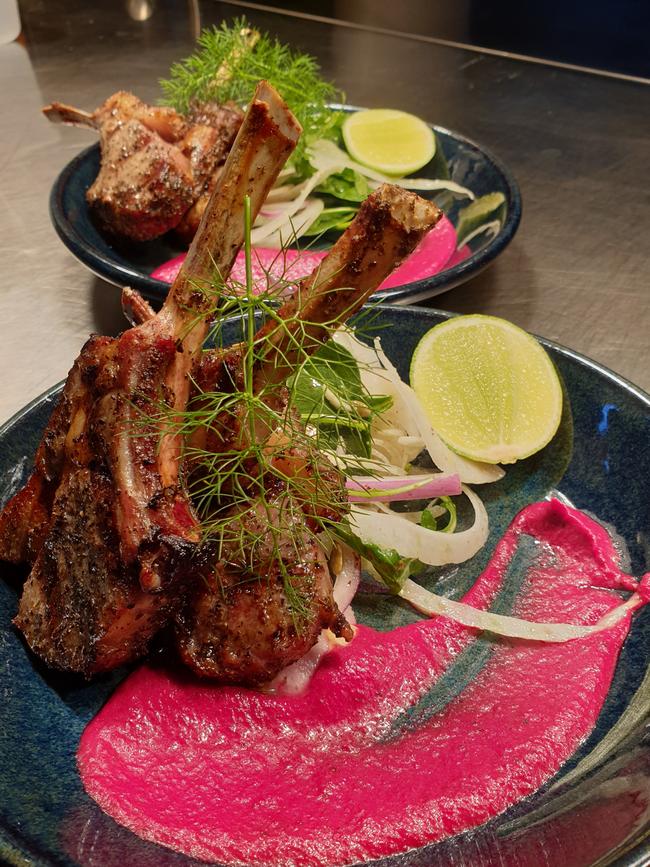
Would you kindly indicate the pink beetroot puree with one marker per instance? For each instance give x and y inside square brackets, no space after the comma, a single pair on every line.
[269,267]
[236,776]
[432,255]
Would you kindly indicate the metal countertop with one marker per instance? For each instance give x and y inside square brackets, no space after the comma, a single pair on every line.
[578,271]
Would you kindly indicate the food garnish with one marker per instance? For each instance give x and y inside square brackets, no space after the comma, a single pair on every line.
[227,66]
[390,141]
[485,214]
[489,388]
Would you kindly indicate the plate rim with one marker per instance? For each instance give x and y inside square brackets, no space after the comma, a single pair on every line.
[408,293]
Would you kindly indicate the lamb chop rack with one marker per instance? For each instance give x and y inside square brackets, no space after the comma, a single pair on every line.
[116,532]
[158,168]
[241,624]
[108,567]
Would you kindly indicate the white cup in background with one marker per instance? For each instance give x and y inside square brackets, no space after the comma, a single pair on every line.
[9,21]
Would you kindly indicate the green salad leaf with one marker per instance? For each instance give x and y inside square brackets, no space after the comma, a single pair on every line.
[336,219]
[386,563]
[430,522]
[390,567]
[348,185]
[328,393]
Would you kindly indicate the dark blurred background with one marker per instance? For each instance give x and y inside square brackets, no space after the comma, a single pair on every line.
[613,35]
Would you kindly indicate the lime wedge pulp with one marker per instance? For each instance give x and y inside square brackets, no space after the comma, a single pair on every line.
[489,389]
[389,141]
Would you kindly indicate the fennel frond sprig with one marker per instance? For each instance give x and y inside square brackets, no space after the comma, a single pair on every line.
[271,467]
[296,76]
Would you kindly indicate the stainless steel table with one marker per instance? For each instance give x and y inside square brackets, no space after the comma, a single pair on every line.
[578,143]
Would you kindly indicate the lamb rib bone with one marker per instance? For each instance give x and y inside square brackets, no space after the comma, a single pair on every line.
[388,227]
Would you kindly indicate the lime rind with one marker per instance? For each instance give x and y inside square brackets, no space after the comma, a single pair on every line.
[489,388]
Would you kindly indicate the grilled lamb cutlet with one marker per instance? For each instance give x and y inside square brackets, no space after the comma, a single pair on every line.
[158,168]
[239,625]
[242,626]
[109,563]
[25,519]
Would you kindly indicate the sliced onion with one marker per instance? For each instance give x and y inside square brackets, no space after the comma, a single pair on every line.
[471,472]
[295,226]
[427,184]
[347,579]
[295,678]
[512,627]
[324,155]
[283,193]
[434,547]
[283,220]
[379,376]
[363,489]
[493,228]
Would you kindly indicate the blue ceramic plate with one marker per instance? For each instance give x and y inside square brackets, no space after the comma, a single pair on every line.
[126,263]
[599,461]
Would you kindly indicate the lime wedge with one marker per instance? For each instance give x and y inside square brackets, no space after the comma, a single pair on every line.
[486,209]
[389,141]
[489,389]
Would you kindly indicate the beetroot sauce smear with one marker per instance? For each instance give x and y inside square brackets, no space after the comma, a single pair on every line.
[334,775]
[272,269]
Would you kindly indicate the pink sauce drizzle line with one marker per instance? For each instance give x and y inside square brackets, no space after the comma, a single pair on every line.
[236,776]
[431,256]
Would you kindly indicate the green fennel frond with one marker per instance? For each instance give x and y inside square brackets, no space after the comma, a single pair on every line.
[226,68]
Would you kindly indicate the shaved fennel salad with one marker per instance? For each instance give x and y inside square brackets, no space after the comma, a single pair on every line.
[401,519]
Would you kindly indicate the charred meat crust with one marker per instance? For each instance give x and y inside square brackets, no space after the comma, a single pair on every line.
[158,168]
[239,626]
[25,518]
